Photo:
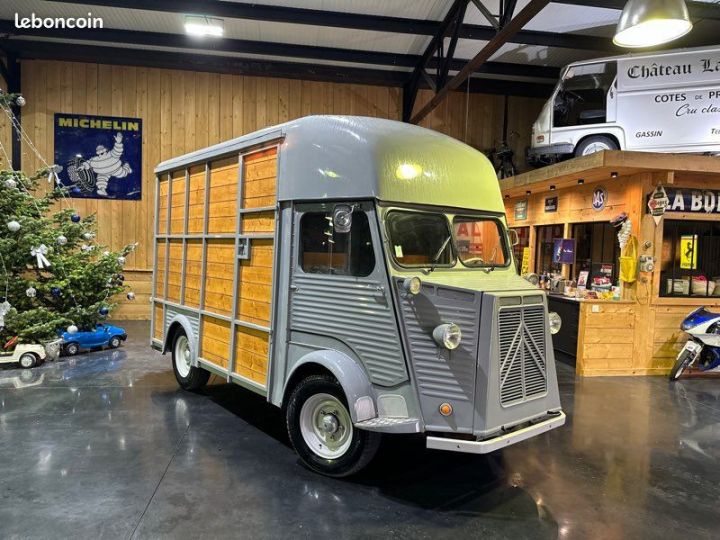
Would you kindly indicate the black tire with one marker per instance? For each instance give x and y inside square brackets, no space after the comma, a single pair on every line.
[681,363]
[362,446]
[598,140]
[189,377]
[114,342]
[27,360]
[71,349]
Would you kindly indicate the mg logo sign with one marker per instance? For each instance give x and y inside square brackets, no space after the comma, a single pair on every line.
[599,198]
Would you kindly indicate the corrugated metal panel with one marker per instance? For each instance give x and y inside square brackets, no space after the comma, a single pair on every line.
[439,374]
[355,312]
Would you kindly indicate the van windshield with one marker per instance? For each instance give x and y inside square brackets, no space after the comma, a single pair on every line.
[420,239]
[480,241]
[582,96]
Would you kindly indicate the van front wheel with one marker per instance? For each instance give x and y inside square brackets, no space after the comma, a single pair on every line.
[322,432]
[188,376]
[596,143]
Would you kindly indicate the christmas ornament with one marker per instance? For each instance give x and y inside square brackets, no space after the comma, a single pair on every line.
[4,310]
[51,176]
[88,235]
[10,183]
[75,218]
[121,260]
[72,329]
[103,311]
[39,253]
[131,295]
[55,291]
[20,101]
[13,226]
[61,240]
[30,292]
[85,247]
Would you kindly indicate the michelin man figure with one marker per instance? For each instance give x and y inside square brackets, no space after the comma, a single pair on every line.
[107,164]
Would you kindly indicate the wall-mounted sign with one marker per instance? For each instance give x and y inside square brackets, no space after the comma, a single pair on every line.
[694,201]
[521,210]
[564,251]
[551,204]
[525,266]
[599,198]
[688,252]
[100,156]
[657,203]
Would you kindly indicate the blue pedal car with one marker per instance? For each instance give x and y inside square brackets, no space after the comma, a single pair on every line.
[104,335]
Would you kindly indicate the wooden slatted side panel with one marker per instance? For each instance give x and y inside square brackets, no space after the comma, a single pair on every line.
[668,339]
[193,269]
[163,187]
[174,277]
[196,201]
[177,203]
[254,294]
[159,291]
[158,327]
[251,354]
[222,209]
[219,276]
[215,345]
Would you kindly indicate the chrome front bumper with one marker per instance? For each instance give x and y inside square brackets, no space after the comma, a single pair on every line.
[496,443]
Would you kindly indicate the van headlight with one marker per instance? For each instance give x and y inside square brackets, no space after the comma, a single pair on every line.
[448,335]
[555,322]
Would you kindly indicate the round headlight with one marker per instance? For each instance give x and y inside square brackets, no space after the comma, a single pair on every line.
[448,336]
[555,322]
[412,285]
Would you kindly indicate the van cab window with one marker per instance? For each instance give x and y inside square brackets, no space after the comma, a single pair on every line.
[420,239]
[326,251]
[480,241]
[582,96]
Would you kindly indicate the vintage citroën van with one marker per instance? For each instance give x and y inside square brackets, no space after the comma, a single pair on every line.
[357,272]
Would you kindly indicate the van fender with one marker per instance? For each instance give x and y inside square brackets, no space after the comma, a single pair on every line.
[358,390]
[184,322]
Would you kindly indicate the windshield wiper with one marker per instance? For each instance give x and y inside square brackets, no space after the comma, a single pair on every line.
[439,252]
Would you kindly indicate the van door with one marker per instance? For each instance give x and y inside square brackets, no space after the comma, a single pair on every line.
[339,290]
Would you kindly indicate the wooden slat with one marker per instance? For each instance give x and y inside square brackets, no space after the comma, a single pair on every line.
[215,345]
[251,354]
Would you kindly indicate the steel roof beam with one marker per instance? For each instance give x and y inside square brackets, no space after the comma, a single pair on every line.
[45,50]
[698,10]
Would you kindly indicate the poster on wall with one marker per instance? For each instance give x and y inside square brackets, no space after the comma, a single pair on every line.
[521,210]
[564,251]
[688,252]
[551,204]
[100,157]
[525,266]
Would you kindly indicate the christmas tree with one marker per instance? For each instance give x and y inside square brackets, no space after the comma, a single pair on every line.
[54,276]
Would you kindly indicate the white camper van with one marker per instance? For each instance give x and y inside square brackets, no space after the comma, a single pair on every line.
[659,102]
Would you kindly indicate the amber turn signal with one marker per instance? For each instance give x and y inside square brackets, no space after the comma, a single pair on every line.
[446,409]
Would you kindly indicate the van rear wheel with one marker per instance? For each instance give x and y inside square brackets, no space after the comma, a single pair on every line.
[596,143]
[322,432]
[188,377]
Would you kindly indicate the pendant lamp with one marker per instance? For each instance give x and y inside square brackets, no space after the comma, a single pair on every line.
[646,23]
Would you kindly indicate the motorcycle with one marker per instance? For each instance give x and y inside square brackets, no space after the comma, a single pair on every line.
[702,348]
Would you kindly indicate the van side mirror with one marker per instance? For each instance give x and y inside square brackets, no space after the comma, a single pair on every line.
[342,218]
[514,238]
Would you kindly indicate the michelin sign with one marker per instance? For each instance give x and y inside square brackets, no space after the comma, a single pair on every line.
[100,157]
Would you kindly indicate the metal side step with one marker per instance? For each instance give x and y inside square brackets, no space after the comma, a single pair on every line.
[390,424]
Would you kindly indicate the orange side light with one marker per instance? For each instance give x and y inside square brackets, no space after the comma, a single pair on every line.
[446,409]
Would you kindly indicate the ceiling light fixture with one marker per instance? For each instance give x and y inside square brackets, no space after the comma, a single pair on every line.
[581,181]
[646,23]
[552,188]
[200,25]
[613,174]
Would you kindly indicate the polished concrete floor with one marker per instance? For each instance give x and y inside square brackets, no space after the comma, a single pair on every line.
[104,445]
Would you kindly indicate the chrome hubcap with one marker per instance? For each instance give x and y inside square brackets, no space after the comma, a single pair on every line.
[595,147]
[326,426]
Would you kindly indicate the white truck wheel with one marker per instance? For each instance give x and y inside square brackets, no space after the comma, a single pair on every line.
[27,360]
[596,143]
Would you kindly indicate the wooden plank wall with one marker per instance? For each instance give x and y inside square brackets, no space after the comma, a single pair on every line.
[183,111]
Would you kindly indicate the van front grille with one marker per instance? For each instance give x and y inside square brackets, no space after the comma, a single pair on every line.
[521,342]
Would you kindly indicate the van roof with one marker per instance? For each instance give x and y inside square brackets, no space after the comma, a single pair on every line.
[650,54]
[355,157]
